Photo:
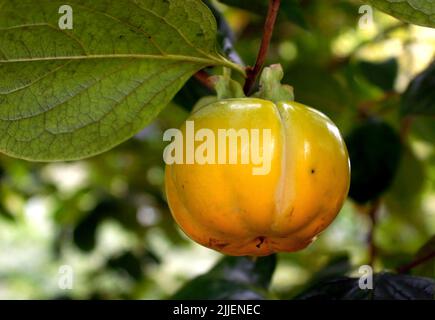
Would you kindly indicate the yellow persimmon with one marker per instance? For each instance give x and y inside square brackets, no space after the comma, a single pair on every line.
[228,208]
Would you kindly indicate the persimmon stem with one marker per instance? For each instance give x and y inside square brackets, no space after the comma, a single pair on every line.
[252,73]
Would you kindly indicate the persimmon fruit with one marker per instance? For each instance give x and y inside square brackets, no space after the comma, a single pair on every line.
[227,208]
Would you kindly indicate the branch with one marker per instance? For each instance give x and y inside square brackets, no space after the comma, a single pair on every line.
[405,127]
[364,108]
[373,212]
[252,73]
[204,78]
[407,267]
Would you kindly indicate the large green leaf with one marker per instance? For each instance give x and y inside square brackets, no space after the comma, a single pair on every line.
[421,12]
[85,231]
[131,263]
[238,278]
[404,196]
[419,97]
[318,88]
[70,94]
[424,128]
[386,286]
[374,151]
[382,74]
[226,34]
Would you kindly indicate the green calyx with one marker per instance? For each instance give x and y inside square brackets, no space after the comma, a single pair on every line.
[227,88]
[271,87]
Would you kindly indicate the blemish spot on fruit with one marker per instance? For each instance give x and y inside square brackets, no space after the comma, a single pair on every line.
[215,243]
[261,241]
[290,213]
[313,171]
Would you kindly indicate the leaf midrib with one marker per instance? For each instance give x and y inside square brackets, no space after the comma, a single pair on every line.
[153,43]
[49,109]
[115,56]
[204,61]
[208,59]
[150,12]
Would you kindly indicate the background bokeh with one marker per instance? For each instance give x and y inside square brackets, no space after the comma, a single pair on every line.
[107,216]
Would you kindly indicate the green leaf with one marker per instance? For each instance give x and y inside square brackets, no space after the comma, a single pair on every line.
[374,151]
[424,128]
[420,12]
[337,266]
[341,288]
[403,287]
[226,35]
[386,286]
[238,278]
[419,97]
[404,196]
[5,213]
[382,74]
[71,94]
[131,263]
[292,10]
[85,233]
[127,262]
[318,88]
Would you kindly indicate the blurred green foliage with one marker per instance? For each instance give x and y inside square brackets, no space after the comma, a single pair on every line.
[108,219]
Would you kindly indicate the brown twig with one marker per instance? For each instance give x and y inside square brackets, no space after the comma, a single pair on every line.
[204,78]
[405,127]
[373,213]
[364,108]
[252,73]
[407,267]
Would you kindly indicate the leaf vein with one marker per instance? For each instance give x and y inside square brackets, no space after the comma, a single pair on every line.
[147,36]
[35,80]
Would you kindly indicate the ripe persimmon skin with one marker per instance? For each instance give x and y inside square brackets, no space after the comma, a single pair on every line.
[226,208]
